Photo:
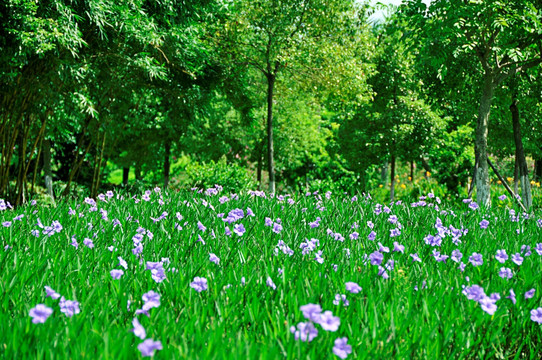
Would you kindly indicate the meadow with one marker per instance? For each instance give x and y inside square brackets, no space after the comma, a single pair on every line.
[206,274]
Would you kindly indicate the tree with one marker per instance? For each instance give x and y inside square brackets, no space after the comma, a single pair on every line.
[504,37]
[274,37]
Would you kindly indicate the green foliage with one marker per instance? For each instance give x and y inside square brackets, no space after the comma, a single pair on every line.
[232,177]
[453,158]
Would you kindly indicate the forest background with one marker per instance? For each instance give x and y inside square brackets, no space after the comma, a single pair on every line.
[299,95]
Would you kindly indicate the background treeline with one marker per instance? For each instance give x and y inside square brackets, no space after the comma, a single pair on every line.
[296,95]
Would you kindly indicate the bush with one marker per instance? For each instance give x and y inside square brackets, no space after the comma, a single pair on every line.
[232,177]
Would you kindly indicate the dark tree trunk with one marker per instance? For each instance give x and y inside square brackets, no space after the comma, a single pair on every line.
[137,172]
[412,171]
[526,194]
[425,166]
[537,170]
[482,172]
[270,156]
[392,178]
[125,175]
[167,154]
[47,167]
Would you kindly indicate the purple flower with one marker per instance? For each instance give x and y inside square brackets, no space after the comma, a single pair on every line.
[505,273]
[484,224]
[488,305]
[529,294]
[40,313]
[138,330]
[501,256]
[311,312]
[269,282]
[201,227]
[340,298]
[50,292]
[88,243]
[395,232]
[122,263]
[376,258]
[305,332]
[538,249]
[382,272]
[148,346]
[239,229]
[536,315]
[517,259]
[318,257]
[456,255]
[502,197]
[199,284]
[512,296]
[341,348]
[476,259]
[268,222]
[398,247]
[383,249]
[69,307]
[372,236]
[214,259]
[151,299]
[277,228]
[329,322]
[353,287]
[415,258]
[116,274]
[462,266]
[474,292]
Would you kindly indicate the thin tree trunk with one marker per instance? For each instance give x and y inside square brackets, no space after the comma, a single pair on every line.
[259,170]
[137,172]
[167,153]
[270,155]
[47,168]
[392,178]
[412,171]
[425,166]
[384,173]
[537,170]
[482,172]
[125,175]
[516,175]
[526,194]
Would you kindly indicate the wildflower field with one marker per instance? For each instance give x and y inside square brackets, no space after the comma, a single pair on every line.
[213,275]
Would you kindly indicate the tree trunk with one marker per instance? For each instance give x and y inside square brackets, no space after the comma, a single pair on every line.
[392,178]
[425,166]
[537,170]
[270,156]
[516,173]
[412,171]
[482,173]
[384,173]
[526,194]
[259,169]
[125,175]
[167,153]
[47,168]
[137,172]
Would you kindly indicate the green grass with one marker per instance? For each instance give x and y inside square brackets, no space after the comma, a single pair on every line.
[387,319]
